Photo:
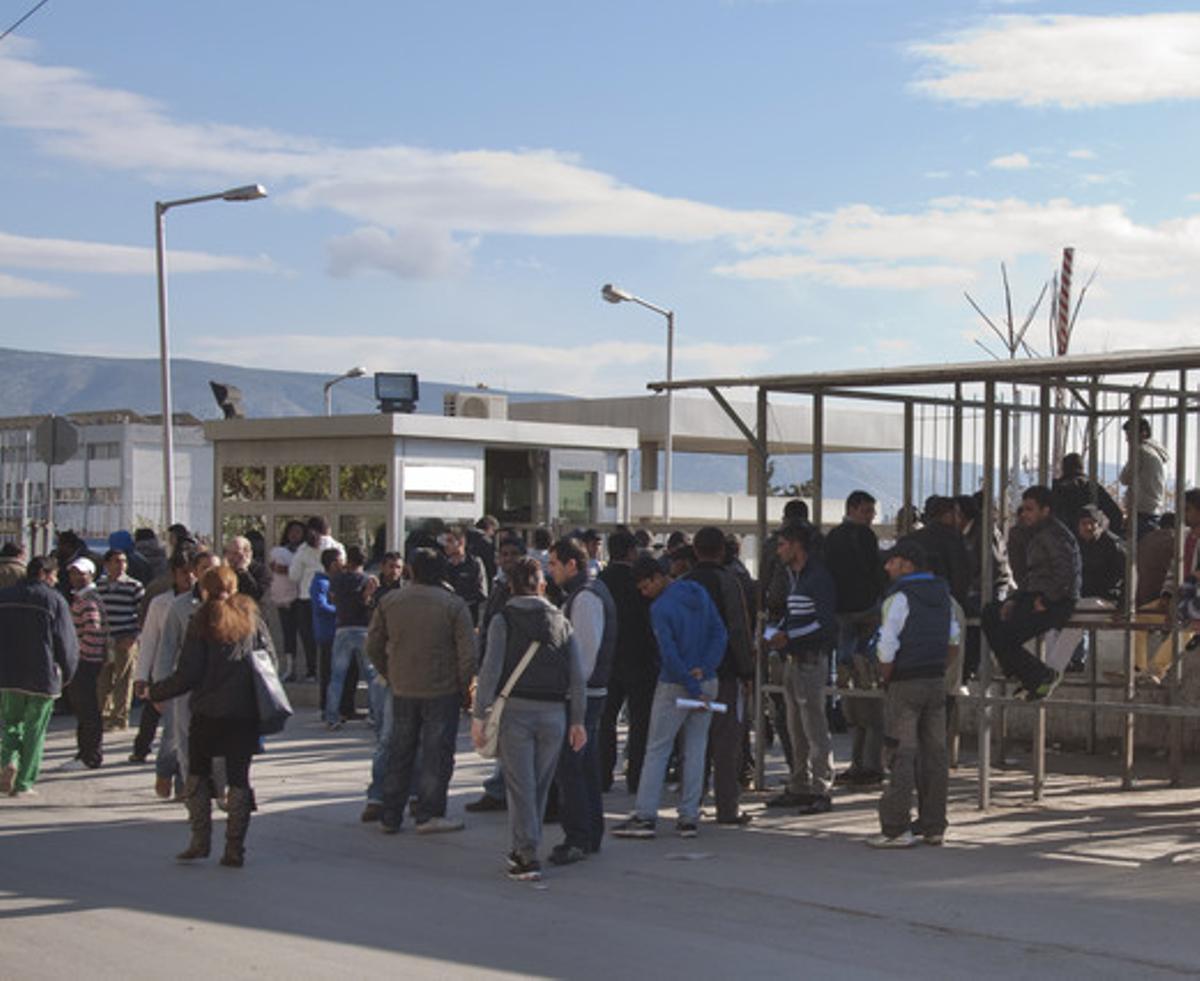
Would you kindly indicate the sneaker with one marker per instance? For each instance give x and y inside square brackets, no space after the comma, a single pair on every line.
[438,825]
[903,840]
[868,778]
[71,766]
[686,829]
[818,805]
[933,839]
[486,803]
[847,777]
[333,726]
[137,757]
[738,822]
[1045,689]
[524,870]
[565,854]
[389,827]
[371,813]
[789,799]
[634,827]
[26,792]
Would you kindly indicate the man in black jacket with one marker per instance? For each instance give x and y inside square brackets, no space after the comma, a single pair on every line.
[635,664]
[852,557]
[736,668]
[943,543]
[1103,557]
[1045,600]
[39,657]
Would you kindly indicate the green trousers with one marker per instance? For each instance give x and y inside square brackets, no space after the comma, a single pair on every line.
[25,720]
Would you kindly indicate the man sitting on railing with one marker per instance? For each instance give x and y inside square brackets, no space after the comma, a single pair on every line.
[1045,597]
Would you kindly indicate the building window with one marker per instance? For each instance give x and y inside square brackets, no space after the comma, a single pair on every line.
[240,524]
[610,490]
[367,531]
[68,495]
[15,454]
[243,483]
[303,482]
[363,482]
[104,495]
[438,483]
[576,496]
[104,451]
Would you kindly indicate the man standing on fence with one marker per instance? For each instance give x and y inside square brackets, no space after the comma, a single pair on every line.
[916,632]
[1045,599]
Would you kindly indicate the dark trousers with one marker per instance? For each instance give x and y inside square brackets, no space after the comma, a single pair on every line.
[233,739]
[431,724]
[304,625]
[290,625]
[639,696]
[1007,636]
[581,802]
[85,703]
[147,728]
[725,737]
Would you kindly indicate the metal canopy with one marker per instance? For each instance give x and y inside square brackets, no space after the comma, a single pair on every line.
[1023,371]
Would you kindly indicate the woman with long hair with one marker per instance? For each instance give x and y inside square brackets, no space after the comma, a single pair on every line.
[283,594]
[215,667]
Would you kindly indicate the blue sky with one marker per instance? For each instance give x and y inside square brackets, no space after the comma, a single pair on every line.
[809,185]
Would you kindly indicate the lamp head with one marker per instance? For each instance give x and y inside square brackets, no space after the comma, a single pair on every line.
[356,372]
[250,192]
[614,294]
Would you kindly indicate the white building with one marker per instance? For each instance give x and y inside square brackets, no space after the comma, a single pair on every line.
[114,479]
[378,477]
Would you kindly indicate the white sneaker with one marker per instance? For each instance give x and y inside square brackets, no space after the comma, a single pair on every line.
[436,825]
[72,765]
[903,840]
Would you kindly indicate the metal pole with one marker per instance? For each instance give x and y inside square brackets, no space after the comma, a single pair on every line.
[761,675]
[956,451]
[1093,637]
[1175,751]
[670,314]
[1135,470]
[164,360]
[818,458]
[1039,733]
[983,726]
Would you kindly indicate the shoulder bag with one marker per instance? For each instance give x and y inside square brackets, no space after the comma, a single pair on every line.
[274,709]
[491,722]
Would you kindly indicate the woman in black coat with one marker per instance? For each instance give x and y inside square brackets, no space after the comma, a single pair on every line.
[215,666]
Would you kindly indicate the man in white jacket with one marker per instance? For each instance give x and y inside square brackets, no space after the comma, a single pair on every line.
[306,563]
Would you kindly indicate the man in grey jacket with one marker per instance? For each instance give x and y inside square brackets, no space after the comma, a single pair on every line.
[422,640]
[1045,597]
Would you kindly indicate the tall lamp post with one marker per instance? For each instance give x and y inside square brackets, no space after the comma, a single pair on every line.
[352,373]
[250,192]
[614,294]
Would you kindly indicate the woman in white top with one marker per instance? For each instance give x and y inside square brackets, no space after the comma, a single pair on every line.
[284,591]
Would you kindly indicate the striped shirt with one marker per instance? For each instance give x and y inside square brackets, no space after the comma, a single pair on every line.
[121,600]
[88,616]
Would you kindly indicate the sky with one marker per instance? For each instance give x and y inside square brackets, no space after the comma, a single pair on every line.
[807,184]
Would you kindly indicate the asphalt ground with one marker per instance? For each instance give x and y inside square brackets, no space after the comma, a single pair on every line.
[1090,883]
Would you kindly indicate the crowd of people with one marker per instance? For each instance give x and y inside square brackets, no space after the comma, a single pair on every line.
[549,643]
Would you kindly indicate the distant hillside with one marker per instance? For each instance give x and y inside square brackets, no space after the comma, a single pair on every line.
[41,383]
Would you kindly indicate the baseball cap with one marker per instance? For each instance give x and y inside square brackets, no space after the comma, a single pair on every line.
[83,564]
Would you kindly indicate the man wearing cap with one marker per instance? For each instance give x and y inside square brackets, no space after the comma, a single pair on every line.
[1148,495]
[915,634]
[1102,554]
[91,630]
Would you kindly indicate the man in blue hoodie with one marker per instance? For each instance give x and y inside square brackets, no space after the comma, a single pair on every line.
[914,639]
[691,642]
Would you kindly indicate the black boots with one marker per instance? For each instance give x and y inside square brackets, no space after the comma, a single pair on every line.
[240,803]
[198,796]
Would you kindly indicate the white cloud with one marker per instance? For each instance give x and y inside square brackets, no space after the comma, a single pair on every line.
[16,288]
[25,252]
[392,187]
[602,368]
[1098,334]
[849,274]
[419,252]
[1082,153]
[1011,161]
[954,234]
[1066,61]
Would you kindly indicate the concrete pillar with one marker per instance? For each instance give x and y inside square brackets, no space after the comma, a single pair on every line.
[753,469]
[650,477]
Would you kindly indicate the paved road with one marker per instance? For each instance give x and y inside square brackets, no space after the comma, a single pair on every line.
[1093,884]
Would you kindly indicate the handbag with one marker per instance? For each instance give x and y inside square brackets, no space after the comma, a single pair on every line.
[274,709]
[491,722]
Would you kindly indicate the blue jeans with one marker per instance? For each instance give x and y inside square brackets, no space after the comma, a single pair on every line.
[579,785]
[348,643]
[432,724]
[381,758]
[666,720]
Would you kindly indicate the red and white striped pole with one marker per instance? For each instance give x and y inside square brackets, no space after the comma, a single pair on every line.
[1064,301]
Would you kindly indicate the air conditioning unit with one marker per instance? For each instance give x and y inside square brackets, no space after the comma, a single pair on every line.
[475,405]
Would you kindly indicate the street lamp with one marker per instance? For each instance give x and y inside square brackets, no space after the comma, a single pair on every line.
[352,373]
[249,192]
[614,294]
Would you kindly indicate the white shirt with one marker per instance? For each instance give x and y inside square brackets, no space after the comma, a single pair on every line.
[895,616]
[152,633]
[306,563]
